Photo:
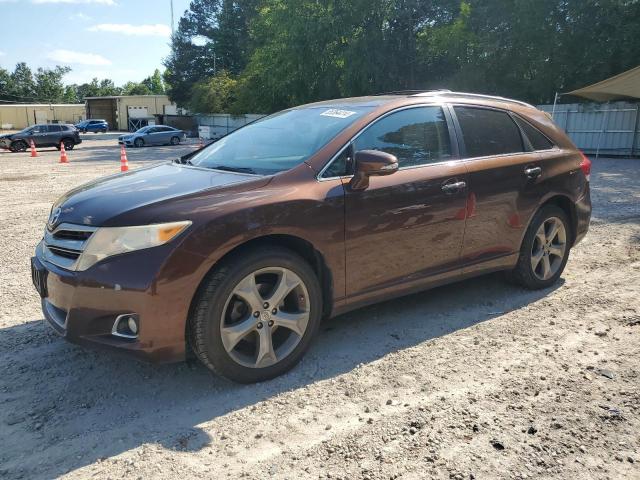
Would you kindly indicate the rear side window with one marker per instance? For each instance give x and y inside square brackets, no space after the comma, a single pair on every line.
[536,137]
[416,136]
[488,132]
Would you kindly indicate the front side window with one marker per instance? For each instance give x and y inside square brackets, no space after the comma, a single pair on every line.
[416,136]
[54,128]
[279,142]
[488,132]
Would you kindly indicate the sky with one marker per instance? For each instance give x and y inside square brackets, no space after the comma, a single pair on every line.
[118,39]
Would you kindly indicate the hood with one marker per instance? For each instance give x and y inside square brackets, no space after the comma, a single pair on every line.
[100,202]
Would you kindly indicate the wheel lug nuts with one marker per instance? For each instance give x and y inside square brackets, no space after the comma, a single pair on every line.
[266,305]
[270,323]
[259,325]
[274,311]
[256,314]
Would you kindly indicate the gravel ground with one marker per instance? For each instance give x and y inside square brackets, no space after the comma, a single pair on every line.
[474,380]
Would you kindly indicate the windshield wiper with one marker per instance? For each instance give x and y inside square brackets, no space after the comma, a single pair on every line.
[183,161]
[227,168]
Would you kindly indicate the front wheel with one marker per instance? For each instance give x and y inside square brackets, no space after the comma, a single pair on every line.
[255,317]
[175,140]
[18,146]
[68,144]
[545,249]
[138,142]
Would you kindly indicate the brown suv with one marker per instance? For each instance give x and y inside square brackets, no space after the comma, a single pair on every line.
[240,249]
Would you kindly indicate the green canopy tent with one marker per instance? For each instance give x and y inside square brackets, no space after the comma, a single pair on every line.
[623,86]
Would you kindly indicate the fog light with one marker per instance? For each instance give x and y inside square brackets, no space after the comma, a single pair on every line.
[126,326]
[133,326]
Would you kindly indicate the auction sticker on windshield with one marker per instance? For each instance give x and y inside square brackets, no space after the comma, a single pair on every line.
[336,113]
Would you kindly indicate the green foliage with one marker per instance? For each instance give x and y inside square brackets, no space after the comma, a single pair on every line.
[47,86]
[214,94]
[287,52]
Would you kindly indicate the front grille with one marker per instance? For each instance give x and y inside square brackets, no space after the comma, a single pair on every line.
[64,245]
[72,235]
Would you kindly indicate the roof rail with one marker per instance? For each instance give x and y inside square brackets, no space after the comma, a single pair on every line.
[473,95]
[409,92]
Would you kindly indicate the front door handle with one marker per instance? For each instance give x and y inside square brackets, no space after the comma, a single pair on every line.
[453,187]
[533,172]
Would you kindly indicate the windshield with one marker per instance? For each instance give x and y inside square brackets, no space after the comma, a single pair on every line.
[278,142]
[143,129]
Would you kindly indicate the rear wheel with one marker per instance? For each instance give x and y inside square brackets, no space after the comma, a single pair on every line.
[545,249]
[255,317]
[18,146]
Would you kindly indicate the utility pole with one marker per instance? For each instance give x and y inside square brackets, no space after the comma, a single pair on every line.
[172,24]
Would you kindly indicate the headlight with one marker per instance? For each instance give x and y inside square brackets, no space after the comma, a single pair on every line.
[108,241]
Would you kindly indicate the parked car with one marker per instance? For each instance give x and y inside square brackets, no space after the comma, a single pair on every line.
[240,249]
[44,135]
[94,125]
[153,135]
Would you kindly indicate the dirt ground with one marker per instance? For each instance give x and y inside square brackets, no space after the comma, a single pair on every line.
[474,380]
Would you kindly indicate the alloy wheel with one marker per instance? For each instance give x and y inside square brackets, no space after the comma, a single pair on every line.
[549,248]
[265,317]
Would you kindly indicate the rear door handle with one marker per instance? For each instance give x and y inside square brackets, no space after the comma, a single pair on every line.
[453,187]
[533,172]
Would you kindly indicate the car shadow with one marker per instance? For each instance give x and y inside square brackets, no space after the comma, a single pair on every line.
[69,407]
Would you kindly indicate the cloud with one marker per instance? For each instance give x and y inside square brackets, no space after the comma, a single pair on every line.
[96,2]
[79,58]
[2,54]
[80,16]
[158,29]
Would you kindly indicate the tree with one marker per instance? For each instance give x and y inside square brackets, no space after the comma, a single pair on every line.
[214,95]
[23,84]
[154,83]
[48,83]
[134,88]
[213,35]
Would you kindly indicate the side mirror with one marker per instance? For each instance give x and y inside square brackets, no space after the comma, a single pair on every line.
[370,163]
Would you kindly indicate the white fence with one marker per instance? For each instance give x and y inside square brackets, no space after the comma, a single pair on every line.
[604,128]
[218,125]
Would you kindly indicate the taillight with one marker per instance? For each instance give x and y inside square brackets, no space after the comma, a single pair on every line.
[585,166]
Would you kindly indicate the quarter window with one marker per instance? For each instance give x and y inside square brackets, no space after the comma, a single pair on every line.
[536,138]
[416,136]
[488,132]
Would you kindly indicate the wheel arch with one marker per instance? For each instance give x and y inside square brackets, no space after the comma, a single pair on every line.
[564,203]
[302,247]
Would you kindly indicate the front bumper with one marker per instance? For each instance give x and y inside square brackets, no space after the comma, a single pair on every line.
[127,142]
[82,306]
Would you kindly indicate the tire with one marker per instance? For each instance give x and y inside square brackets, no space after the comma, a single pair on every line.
[19,146]
[68,144]
[103,131]
[216,304]
[175,141]
[542,259]
[83,131]
[138,142]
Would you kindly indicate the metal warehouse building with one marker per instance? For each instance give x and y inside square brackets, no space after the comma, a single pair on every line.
[17,117]
[129,112]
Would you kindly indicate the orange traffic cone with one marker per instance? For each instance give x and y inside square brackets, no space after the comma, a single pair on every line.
[34,153]
[63,154]
[124,163]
